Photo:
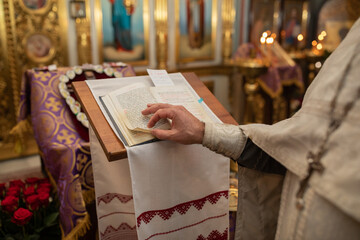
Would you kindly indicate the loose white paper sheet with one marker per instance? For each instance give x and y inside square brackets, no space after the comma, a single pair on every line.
[160,77]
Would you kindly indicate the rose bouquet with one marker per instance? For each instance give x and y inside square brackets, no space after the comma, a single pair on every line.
[28,210]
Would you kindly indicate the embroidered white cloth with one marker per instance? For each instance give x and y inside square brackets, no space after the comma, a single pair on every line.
[113,192]
[180,192]
[173,192]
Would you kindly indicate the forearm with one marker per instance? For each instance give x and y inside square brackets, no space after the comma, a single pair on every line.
[228,140]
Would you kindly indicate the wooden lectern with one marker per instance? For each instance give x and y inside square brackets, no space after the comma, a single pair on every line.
[112,146]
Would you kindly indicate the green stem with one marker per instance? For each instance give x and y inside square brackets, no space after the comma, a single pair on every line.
[24,233]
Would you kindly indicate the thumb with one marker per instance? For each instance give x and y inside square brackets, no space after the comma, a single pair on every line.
[162,134]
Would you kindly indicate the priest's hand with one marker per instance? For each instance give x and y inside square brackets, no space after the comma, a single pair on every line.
[185,128]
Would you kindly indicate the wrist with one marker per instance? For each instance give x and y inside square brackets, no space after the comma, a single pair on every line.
[200,133]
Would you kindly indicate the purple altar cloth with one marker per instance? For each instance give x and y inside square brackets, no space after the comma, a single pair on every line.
[277,76]
[63,143]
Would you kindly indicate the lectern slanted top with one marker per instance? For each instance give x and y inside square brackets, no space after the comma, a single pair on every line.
[112,146]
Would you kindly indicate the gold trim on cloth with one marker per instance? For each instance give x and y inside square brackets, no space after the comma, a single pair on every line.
[79,230]
[88,195]
[276,94]
[84,224]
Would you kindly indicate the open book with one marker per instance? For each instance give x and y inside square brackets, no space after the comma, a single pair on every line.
[124,107]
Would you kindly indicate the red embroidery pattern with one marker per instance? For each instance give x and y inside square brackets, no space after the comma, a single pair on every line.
[110,196]
[182,208]
[192,225]
[124,231]
[215,235]
[109,214]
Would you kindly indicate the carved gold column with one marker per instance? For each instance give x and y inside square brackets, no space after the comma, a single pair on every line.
[161,32]
[7,112]
[254,103]
[84,51]
[279,109]
[228,17]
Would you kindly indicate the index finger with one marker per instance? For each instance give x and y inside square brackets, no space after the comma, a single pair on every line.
[160,114]
[152,108]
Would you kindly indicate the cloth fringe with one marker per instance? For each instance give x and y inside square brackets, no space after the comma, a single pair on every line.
[88,195]
[275,94]
[80,230]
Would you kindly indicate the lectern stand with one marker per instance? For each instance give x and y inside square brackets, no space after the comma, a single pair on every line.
[160,190]
[113,147]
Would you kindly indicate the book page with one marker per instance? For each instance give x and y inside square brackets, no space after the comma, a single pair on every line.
[180,95]
[131,137]
[130,101]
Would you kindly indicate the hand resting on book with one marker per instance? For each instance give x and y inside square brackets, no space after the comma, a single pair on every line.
[185,128]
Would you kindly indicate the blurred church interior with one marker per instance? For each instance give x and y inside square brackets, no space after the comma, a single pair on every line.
[257,57]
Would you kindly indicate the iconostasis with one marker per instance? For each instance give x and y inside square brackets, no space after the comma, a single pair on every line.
[201,36]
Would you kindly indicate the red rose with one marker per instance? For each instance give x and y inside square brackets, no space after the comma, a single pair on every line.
[44,198]
[18,183]
[13,191]
[10,203]
[43,190]
[32,202]
[44,185]
[21,216]
[32,180]
[29,191]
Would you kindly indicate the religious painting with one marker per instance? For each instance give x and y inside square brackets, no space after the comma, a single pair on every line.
[39,47]
[77,9]
[34,4]
[196,29]
[294,24]
[124,31]
[263,17]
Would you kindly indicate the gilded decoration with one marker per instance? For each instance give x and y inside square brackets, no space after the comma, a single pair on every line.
[82,22]
[228,18]
[7,115]
[161,32]
[32,34]
[279,109]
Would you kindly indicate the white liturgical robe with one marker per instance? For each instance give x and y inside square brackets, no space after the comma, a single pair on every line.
[332,198]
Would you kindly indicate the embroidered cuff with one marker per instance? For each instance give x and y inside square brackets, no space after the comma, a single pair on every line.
[226,139]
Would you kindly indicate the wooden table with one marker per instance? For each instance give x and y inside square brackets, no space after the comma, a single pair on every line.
[112,146]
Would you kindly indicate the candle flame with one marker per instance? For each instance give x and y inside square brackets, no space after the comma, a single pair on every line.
[300,37]
[270,40]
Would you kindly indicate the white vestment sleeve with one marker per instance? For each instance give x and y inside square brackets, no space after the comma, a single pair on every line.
[225,139]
